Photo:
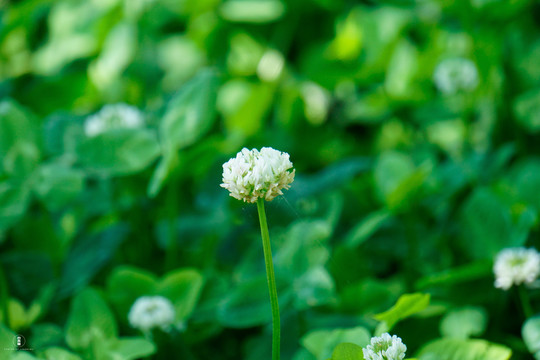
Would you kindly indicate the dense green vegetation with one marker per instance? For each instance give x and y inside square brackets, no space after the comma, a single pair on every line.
[413,127]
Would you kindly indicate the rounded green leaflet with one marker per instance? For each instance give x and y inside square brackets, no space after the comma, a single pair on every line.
[182,287]
[321,343]
[90,320]
[464,322]
[407,305]
[456,349]
[347,351]
[118,152]
[531,335]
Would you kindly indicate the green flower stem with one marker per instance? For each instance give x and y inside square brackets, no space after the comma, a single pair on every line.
[271,279]
[525,301]
[172,214]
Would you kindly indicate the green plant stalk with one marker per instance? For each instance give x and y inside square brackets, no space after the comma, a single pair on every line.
[276,330]
[525,301]
[172,213]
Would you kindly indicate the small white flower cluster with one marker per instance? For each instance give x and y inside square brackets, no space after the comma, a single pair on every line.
[455,74]
[110,117]
[515,266]
[385,347]
[255,174]
[149,312]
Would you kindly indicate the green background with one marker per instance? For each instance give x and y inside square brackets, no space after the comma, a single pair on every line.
[401,187]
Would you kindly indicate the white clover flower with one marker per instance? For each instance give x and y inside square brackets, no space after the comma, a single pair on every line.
[455,74]
[385,347]
[516,266]
[117,116]
[255,174]
[149,312]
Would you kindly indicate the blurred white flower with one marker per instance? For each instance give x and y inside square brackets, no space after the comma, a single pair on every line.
[255,174]
[317,101]
[516,266]
[149,312]
[455,74]
[385,347]
[117,116]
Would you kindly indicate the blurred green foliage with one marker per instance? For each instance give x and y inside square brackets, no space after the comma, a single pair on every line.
[413,127]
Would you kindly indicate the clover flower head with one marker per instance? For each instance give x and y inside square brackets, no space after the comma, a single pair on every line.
[149,312]
[116,116]
[255,174]
[454,75]
[514,266]
[385,347]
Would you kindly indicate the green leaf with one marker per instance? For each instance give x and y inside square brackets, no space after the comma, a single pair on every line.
[407,305]
[314,288]
[190,113]
[531,335]
[303,354]
[401,72]
[390,170]
[40,305]
[464,323]
[126,284]
[39,234]
[397,179]
[367,227]
[487,227]
[469,272]
[455,349]
[57,353]
[243,60]
[6,342]
[322,343]
[368,296]
[15,127]
[20,161]
[27,272]
[57,184]
[252,11]
[14,201]
[370,107]
[130,348]
[17,315]
[246,305]
[88,256]
[331,177]
[302,258]
[526,182]
[248,116]
[304,247]
[62,132]
[165,167]
[117,52]
[527,110]
[408,188]
[183,287]
[46,335]
[23,355]
[119,151]
[347,351]
[89,319]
